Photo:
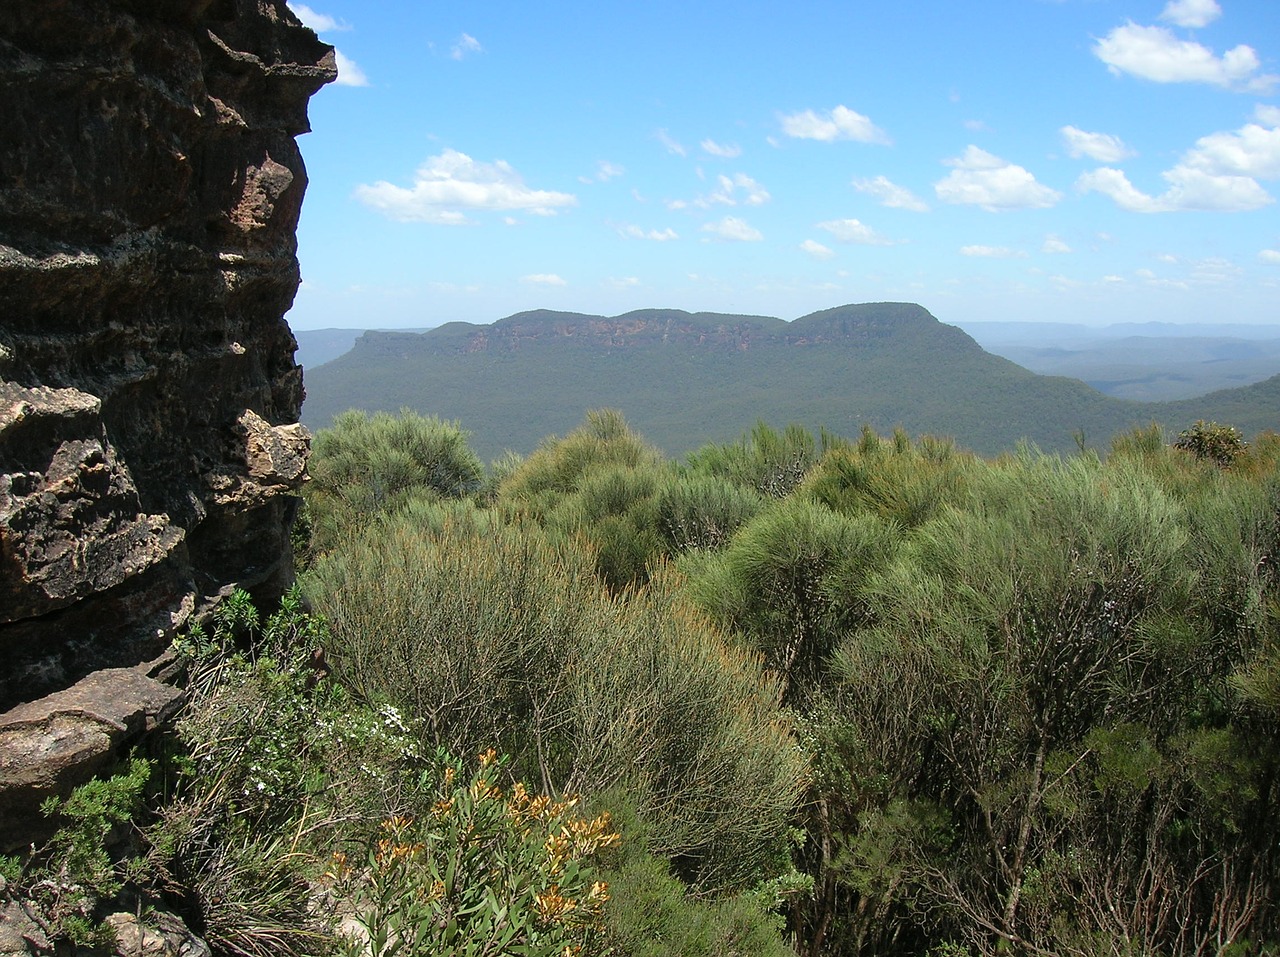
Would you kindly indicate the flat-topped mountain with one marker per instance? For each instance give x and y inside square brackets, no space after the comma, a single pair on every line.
[684,379]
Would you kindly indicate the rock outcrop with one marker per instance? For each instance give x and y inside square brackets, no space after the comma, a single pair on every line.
[150,454]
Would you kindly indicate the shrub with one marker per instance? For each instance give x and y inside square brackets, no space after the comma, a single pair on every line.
[364,465]
[483,873]
[510,640]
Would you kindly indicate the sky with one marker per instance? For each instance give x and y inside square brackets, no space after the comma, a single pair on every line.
[1090,161]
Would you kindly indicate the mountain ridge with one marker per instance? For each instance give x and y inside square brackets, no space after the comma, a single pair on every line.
[684,379]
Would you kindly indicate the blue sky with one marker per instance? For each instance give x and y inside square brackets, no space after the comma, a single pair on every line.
[1089,161]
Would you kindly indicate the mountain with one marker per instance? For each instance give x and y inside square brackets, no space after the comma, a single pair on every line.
[1154,361]
[685,379]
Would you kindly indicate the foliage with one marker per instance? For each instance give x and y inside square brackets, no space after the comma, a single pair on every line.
[767,461]
[77,870]
[788,581]
[369,464]
[482,873]
[1220,444]
[274,762]
[1024,740]
[512,641]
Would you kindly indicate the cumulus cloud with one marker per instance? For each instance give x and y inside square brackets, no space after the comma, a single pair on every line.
[624,282]
[981,179]
[992,252]
[543,279]
[1252,150]
[1271,256]
[349,73]
[1220,172]
[464,45]
[1189,189]
[734,230]
[1054,245]
[841,123]
[1103,147]
[1191,13]
[319,22]
[722,150]
[816,249]
[1154,53]
[631,231]
[672,146]
[854,231]
[890,194]
[448,185]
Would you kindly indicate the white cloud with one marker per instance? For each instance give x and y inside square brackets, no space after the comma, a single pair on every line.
[631,231]
[981,179]
[1271,256]
[543,279]
[1267,115]
[733,229]
[1054,245]
[1154,53]
[446,185]
[890,194]
[673,147]
[1103,147]
[1219,173]
[727,195]
[992,252]
[1191,13]
[463,45]
[841,123]
[722,150]
[854,231]
[319,22]
[816,249]
[624,282]
[1252,150]
[349,74]
[1189,189]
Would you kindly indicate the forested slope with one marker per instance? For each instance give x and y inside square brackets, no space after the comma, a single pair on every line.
[686,379]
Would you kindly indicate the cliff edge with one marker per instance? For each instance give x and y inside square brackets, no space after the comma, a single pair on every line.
[150,451]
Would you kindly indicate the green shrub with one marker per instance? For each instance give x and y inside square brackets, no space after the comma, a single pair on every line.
[364,465]
[765,460]
[510,640]
[484,873]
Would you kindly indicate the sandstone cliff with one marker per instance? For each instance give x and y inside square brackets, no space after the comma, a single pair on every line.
[150,186]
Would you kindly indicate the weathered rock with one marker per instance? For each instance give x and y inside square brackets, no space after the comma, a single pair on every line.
[163,935]
[150,454]
[20,933]
[50,745]
[149,192]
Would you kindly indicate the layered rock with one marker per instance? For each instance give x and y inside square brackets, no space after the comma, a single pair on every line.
[150,454]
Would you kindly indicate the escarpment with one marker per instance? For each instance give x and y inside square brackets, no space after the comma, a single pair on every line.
[150,451]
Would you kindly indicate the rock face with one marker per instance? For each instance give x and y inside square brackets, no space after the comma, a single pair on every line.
[150,454]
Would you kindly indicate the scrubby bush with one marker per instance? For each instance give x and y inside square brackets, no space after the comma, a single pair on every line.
[365,464]
[512,641]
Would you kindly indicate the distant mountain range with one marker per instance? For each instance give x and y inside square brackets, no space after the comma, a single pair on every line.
[1149,361]
[686,379]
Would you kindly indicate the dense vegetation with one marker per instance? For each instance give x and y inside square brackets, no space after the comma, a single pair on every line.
[687,379]
[796,694]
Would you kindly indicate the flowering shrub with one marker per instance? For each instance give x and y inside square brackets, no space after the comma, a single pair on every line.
[482,872]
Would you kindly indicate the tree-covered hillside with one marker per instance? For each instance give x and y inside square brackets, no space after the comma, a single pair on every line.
[687,379]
